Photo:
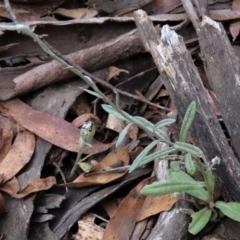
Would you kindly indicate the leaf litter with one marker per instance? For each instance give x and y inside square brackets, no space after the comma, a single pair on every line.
[22,127]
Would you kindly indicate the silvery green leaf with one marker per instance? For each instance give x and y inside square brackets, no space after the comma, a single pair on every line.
[164,123]
[139,158]
[175,166]
[199,220]
[123,135]
[200,193]
[190,164]
[162,135]
[186,147]
[113,111]
[144,122]
[156,155]
[187,121]
[92,92]
[230,209]
[167,187]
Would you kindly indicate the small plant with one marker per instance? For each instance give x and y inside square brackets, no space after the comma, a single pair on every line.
[185,154]
[184,157]
[86,135]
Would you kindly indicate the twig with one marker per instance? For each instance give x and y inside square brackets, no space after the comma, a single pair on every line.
[10,11]
[61,173]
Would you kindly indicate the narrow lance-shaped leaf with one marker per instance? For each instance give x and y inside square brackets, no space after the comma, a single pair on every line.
[92,93]
[231,209]
[199,220]
[164,123]
[114,112]
[190,164]
[122,135]
[188,148]
[199,193]
[139,158]
[187,121]
[167,187]
[159,154]
[208,178]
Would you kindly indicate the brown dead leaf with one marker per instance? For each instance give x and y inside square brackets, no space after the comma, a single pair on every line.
[3,209]
[114,71]
[36,186]
[79,13]
[121,225]
[51,128]
[235,24]
[19,155]
[87,229]
[135,153]
[6,143]
[110,205]
[79,121]
[115,123]
[11,187]
[6,47]
[154,205]
[120,155]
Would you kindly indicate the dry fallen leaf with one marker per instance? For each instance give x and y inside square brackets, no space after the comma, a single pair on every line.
[154,205]
[87,229]
[36,186]
[79,13]
[51,128]
[120,155]
[19,155]
[114,71]
[121,225]
[11,187]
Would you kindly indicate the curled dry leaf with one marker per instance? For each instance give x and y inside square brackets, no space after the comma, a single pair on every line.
[121,225]
[51,128]
[154,205]
[19,155]
[100,177]
[114,71]
[36,186]
[79,121]
[11,187]
[87,228]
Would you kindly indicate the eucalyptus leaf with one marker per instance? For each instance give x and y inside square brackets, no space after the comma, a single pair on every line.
[199,220]
[230,209]
[186,147]
[199,193]
[187,121]
[155,155]
[167,187]
[190,164]
[164,123]
[137,161]
[123,135]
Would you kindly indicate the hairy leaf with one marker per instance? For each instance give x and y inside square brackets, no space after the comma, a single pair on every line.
[186,147]
[231,209]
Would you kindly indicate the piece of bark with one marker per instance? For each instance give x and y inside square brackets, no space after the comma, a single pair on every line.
[180,77]
[75,212]
[223,72]
[89,59]
[56,100]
